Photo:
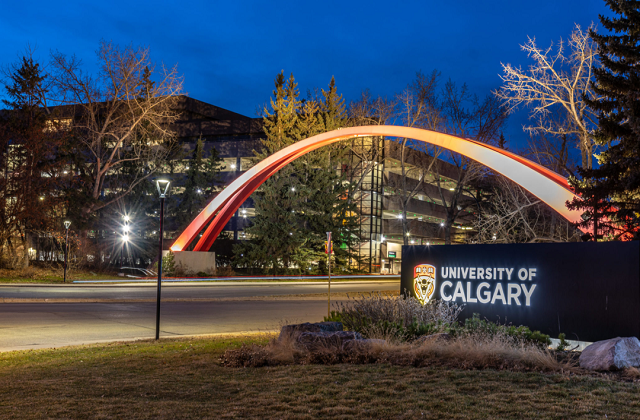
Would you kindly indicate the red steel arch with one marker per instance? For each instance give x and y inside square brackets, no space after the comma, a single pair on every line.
[547,185]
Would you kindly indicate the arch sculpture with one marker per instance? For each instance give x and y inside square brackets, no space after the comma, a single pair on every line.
[547,185]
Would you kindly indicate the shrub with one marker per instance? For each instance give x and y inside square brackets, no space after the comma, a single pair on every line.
[396,319]
[563,344]
[404,318]
[168,265]
[358,313]
[475,326]
[225,271]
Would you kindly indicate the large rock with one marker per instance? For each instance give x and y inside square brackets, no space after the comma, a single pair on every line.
[294,330]
[616,353]
[326,339]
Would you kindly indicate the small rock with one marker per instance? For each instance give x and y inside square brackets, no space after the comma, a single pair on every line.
[351,345]
[613,354]
[326,339]
[443,337]
[294,330]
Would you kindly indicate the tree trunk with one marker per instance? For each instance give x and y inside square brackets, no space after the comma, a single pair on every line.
[447,233]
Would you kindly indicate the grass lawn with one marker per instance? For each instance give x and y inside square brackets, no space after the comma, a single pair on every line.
[182,378]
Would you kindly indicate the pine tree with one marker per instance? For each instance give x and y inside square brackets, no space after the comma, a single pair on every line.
[276,240]
[611,192]
[330,207]
[299,204]
[32,170]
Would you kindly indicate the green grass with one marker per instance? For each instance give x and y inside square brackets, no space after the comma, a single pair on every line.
[182,378]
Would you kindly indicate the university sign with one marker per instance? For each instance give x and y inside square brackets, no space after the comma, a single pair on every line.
[491,289]
[589,291]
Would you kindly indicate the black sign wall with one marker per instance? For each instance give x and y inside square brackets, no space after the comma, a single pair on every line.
[589,291]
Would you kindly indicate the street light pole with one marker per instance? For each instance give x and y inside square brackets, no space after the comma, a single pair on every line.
[66,249]
[163,187]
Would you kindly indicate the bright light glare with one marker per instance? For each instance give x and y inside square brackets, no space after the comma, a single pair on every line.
[125,238]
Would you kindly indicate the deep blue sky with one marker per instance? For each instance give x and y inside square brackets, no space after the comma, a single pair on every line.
[230,51]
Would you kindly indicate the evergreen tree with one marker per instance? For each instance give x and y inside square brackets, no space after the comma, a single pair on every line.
[32,169]
[611,192]
[276,240]
[299,204]
[330,206]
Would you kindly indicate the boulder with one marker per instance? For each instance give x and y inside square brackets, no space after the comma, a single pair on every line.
[613,354]
[326,339]
[294,330]
[433,338]
[351,345]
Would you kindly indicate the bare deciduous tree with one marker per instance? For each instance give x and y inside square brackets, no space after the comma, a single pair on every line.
[121,116]
[419,106]
[554,88]
[366,155]
[512,215]
[465,115]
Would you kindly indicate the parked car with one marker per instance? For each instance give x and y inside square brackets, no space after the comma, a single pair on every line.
[135,272]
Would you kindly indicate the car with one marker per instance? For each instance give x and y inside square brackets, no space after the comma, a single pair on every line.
[135,272]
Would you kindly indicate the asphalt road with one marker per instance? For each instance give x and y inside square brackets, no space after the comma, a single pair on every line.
[45,325]
[28,326]
[187,291]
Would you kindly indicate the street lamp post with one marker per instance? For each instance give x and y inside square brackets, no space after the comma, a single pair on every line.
[66,249]
[163,187]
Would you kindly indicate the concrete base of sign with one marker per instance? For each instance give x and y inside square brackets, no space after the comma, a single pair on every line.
[191,263]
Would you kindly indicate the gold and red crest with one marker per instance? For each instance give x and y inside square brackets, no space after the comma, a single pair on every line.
[424,282]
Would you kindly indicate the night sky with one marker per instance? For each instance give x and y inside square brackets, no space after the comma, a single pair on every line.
[230,51]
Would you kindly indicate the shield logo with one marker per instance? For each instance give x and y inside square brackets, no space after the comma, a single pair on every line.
[424,282]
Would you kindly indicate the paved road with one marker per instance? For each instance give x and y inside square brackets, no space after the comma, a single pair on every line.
[31,325]
[187,291]
[43,325]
